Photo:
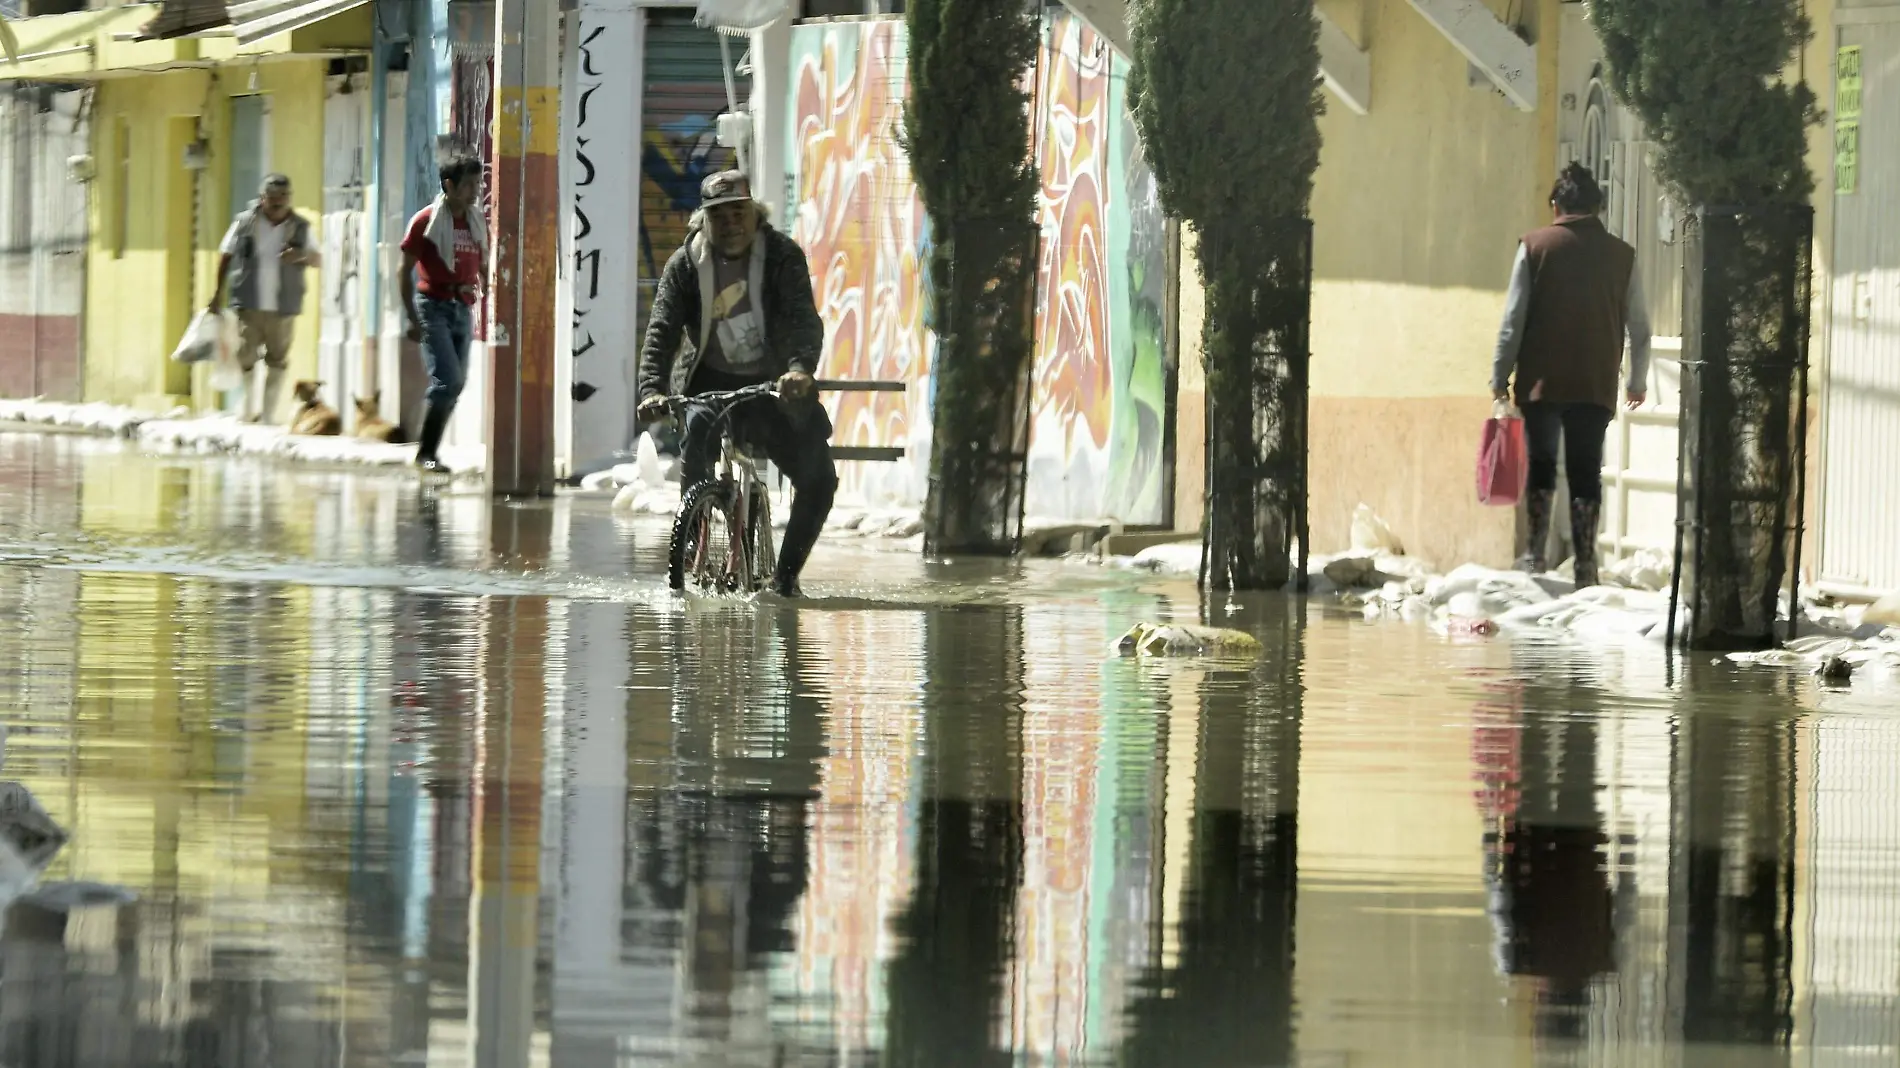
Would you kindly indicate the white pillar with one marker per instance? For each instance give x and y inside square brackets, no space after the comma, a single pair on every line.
[771,116]
[600,182]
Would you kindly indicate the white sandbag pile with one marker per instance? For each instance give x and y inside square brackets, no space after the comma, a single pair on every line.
[113,419]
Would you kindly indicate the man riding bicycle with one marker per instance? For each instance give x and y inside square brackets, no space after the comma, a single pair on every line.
[746,289]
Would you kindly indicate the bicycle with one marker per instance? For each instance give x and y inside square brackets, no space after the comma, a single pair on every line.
[722,539]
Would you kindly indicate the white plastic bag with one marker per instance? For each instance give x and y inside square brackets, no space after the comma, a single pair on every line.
[226,372]
[202,339]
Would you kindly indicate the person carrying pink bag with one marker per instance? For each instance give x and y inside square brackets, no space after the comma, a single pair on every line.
[1574,297]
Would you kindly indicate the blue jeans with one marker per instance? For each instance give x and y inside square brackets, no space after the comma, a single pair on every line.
[447,327]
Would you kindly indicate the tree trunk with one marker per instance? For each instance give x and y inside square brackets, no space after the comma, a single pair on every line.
[1745,308]
[983,279]
[1258,298]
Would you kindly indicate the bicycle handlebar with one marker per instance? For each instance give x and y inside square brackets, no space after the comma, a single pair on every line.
[725,399]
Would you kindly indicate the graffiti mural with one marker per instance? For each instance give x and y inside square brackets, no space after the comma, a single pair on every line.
[1097,441]
[856,213]
[1099,418]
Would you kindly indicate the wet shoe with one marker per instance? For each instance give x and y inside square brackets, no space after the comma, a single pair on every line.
[1537,509]
[432,466]
[787,587]
[1583,526]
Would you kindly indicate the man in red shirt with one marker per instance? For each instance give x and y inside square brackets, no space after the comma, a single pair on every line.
[444,251]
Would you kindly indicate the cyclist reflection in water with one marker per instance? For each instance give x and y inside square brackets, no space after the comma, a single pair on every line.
[745,290]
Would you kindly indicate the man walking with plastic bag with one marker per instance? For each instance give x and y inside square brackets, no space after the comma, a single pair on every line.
[265,254]
[1574,297]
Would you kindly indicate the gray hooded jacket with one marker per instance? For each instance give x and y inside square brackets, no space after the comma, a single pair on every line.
[781,280]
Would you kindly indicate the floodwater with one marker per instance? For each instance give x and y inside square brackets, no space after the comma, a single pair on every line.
[361,773]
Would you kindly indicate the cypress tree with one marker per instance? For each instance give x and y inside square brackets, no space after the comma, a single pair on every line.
[1226,96]
[1706,80]
[966,129]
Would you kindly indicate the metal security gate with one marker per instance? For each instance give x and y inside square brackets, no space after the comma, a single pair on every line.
[43,233]
[1860,485]
[684,94]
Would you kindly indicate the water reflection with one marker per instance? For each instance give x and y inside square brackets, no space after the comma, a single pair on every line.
[364,774]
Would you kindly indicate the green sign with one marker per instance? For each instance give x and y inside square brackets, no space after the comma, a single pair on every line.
[1846,156]
[1847,120]
[1847,83]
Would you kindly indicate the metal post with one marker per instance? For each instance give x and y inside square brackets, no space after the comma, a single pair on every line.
[525,248]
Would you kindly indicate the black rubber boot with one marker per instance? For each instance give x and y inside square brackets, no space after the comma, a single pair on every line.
[1583,532]
[802,527]
[1537,508]
[433,425]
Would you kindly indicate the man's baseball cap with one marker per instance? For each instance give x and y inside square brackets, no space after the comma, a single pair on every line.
[726,187]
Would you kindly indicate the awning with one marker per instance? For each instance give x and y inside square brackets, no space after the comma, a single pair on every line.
[259,19]
[182,18]
[251,21]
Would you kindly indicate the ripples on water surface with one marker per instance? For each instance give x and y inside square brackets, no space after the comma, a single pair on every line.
[407,778]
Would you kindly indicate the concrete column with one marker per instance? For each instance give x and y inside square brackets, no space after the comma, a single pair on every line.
[524,246]
[600,211]
[771,115]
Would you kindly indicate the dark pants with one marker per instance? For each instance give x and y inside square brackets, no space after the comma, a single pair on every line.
[797,439]
[1578,429]
[447,327]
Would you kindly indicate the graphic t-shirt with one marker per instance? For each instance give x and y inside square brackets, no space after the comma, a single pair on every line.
[736,345]
[436,279]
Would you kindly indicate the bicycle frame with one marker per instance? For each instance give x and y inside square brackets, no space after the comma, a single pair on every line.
[737,470]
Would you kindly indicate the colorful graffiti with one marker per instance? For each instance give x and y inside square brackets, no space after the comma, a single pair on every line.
[1097,447]
[1100,401]
[855,211]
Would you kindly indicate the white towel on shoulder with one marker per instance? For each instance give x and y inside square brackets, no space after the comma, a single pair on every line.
[441,231]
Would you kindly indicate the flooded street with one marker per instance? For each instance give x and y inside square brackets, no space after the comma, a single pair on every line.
[373,774]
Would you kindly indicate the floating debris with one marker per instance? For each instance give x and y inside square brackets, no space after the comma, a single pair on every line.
[1183,640]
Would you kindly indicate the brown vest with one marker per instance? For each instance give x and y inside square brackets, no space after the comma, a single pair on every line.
[1573,335]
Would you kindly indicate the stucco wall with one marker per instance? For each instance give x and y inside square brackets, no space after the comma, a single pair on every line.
[1417,211]
[140,300]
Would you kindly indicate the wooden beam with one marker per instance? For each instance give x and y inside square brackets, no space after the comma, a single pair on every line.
[1345,67]
[1489,44]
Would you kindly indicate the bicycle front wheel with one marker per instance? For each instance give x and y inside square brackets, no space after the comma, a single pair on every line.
[701,552]
[759,537]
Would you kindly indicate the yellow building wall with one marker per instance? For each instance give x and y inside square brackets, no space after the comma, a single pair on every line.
[143,285]
[1417,211]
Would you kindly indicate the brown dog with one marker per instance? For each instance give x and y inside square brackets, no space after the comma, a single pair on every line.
[370,423]
[313,417]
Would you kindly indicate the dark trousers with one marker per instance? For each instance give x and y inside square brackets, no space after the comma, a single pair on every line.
[447,328]
[1578,430]
[797,439]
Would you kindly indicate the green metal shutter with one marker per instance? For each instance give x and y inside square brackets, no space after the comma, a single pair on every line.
[684,93]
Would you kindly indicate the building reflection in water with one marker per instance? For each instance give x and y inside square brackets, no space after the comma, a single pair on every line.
[948,996]
[368,822]
[1678,933]
[1546,852]
[1219,989]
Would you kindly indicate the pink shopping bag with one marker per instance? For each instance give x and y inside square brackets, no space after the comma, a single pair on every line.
[1503,459]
